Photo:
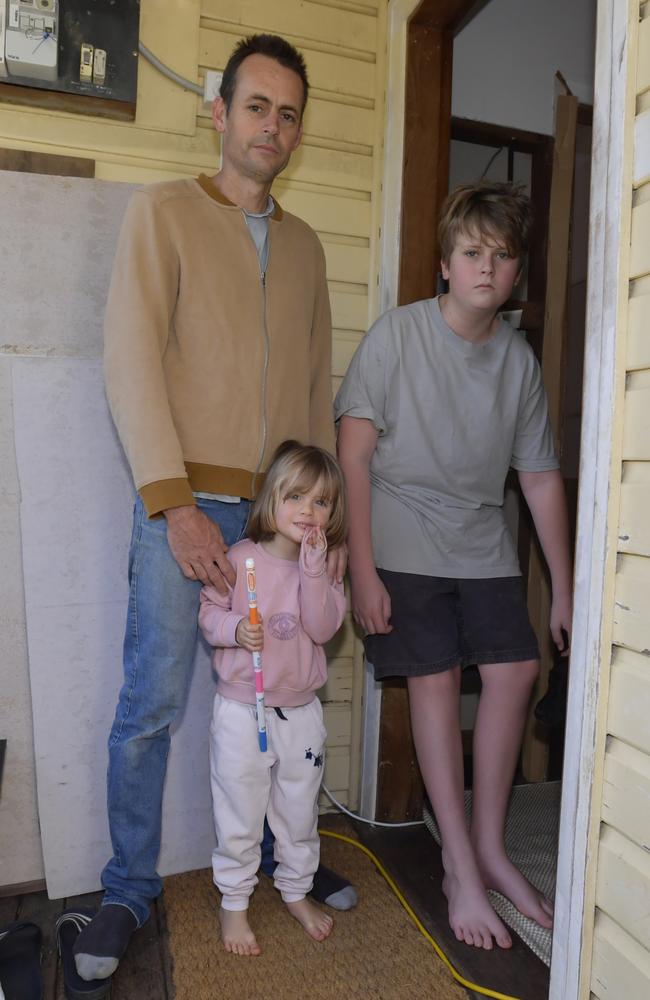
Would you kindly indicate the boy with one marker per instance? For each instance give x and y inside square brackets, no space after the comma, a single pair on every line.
[442,397]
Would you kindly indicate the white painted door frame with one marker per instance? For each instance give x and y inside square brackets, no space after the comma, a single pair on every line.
[593,512]
[591,642]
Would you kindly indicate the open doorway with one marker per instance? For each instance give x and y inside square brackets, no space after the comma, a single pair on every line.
[430,158]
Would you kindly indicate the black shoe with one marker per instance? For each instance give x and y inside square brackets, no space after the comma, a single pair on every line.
[68,927]
[20,962]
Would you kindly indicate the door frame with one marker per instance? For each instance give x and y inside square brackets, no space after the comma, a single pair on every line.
[596,516]
[598,498]
[419,40]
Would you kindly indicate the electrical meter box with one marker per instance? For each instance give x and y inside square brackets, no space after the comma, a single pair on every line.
[70,55]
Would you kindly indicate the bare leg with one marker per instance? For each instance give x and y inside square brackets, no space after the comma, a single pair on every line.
[236,933]
[497,738]
[435,708]
[317,924]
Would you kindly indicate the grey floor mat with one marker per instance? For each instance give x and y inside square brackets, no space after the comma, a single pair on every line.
[531,842]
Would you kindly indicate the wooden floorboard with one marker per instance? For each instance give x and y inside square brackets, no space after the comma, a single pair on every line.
[412,858]
[141,973]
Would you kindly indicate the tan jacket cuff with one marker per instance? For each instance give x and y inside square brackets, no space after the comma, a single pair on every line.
[165,493]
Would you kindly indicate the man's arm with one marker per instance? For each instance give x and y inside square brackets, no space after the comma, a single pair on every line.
[370,601]
[141,303]
[545,496]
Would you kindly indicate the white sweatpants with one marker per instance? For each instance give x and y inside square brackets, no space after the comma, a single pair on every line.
[282,783]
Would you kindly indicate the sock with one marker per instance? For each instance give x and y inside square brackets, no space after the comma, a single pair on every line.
[333,890]
[100,946]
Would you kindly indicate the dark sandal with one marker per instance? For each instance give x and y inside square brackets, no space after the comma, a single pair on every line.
[68,928]
[20,962]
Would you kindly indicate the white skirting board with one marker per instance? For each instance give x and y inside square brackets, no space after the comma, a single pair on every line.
[76,506]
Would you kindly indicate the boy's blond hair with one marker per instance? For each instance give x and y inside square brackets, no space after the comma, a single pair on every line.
[296,468]
[489,209]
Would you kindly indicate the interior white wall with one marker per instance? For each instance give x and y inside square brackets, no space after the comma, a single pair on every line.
[58,237]
[65,558]
[506,58]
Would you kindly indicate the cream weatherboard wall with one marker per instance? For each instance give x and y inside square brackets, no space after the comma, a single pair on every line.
[617,953]
[333,183]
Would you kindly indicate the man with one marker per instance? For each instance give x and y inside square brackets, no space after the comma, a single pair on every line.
[218,347]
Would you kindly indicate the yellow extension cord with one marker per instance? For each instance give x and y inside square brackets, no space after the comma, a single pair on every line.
[483,990]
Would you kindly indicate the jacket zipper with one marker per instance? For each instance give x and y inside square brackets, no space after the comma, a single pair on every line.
[264,380]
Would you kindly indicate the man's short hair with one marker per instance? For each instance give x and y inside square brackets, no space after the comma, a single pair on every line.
[489,209]
[272,46]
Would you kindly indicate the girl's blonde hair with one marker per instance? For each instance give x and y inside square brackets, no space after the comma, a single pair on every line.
[487,208]
[296,468]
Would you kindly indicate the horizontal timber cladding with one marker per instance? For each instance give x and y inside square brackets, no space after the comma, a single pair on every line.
[623,884]
[632,603]
[626,792]
[621,966]
[621,940]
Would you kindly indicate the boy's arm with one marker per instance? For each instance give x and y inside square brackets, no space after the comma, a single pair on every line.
[370,601]
[544,494]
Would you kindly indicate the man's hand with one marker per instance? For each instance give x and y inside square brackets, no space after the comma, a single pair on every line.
[198,547]
[250,637]
[337,563]
[371,606]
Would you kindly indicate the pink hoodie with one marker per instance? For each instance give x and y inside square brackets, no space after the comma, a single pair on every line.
[300,610]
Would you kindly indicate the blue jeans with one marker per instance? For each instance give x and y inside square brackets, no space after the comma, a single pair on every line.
[159,646]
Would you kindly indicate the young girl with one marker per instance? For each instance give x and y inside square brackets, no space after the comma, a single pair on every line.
[299,512]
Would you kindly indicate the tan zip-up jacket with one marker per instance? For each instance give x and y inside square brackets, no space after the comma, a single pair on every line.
[210,365]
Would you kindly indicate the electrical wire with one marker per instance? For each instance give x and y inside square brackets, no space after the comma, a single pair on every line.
[169,73]
[362,819]
[483,990]
[491,161]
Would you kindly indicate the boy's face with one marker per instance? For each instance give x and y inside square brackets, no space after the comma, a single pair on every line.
[480,271]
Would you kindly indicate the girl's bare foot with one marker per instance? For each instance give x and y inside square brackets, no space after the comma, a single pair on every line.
[500,874]
[236,933]
[471,916]
[317,924]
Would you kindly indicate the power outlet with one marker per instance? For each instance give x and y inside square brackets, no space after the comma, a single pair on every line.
[211,85]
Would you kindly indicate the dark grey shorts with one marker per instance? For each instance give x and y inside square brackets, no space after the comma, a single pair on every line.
[440,622]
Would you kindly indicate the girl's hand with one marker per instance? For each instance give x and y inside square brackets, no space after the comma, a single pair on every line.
[316,539]
[250,637]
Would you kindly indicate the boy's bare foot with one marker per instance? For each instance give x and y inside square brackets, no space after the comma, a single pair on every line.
[500,874]
[236,933]
[471,916]
[317,924]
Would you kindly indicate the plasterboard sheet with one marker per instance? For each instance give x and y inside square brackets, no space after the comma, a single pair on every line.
[76,503]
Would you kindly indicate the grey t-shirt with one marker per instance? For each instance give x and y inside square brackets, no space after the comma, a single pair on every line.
[452,418]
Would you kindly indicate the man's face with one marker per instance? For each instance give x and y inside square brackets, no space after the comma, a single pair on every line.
[263,126]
